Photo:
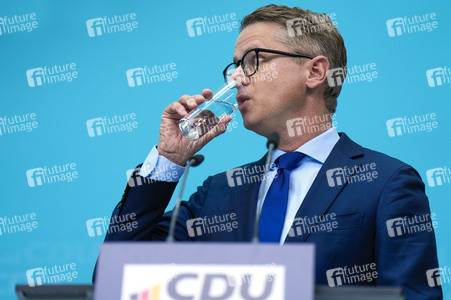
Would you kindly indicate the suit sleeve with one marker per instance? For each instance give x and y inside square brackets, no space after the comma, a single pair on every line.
[146,203]
[404,256]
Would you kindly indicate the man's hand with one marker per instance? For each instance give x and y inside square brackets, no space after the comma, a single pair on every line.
[172,144]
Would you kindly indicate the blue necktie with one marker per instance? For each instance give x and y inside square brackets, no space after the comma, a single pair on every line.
[274,209]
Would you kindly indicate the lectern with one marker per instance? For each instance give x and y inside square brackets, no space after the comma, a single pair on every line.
[129,271]
[160,271]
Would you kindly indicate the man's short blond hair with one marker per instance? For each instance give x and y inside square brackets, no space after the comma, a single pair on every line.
[307,32]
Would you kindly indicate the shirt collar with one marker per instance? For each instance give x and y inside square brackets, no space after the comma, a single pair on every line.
[317,148]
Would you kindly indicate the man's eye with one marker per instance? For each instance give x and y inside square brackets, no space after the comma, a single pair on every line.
[250,59]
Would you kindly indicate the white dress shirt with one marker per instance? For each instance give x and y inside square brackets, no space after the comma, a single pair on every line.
[302,176]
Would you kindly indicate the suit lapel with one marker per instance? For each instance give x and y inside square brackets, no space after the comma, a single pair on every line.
[326,189]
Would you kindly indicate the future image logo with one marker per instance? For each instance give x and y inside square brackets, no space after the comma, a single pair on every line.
[410,125]
[210,225]
[438,76]
[395,27]
[52,275]
[307,225]
[411,25]
[100,226]
[433,277]
[35,77]
[162,173]
[97,226]
[209,25]
[18,123]
[50,75]
[317,23]
[35,277]
[195,27]
[248,174]
[438,176]
[351,275]
[110,25]
[341,175]
[336,77]
[18,223]
[111,125]
[134,179]
[410,225]
[438,276]
[135,77]
[18,23]
[49,175]
[366,72]
[35,177]
[310,124]
[150,75]
[95,27]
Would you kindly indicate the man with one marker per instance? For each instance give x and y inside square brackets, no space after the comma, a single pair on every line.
[355,204]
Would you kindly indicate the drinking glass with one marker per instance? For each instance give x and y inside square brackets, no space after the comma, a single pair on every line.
[207,115]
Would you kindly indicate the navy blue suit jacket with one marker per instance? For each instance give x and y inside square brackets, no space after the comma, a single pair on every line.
[361,208]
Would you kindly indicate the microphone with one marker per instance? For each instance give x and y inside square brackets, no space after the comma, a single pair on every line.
[192,162]
[273,142]
[196,160]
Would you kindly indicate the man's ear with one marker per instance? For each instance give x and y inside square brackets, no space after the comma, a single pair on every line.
[319,66]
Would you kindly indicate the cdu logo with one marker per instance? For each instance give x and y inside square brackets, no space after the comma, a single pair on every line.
[395,27]
[135,77]
[35,277]
[435,177]
[95,27]
[335,177]
[435,77]
[195,27]
[35,177]
[335,277]
[149,294]
[235,177]
[35,77]
[203,281]
[95,127]
[195,227]
[395,127]
[395,227]
[336,77]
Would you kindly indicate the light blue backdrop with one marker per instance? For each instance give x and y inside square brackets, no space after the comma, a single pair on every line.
[37,35]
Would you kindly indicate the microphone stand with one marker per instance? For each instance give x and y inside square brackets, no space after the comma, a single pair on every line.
[192,162]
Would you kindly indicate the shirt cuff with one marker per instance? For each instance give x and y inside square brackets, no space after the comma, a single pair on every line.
[160,168]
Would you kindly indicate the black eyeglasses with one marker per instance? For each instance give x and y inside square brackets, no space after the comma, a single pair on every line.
[250,61]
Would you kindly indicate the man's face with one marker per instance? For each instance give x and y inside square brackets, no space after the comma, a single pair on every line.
[270,103]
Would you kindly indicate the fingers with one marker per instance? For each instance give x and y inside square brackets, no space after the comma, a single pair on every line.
[182,107]
[190,102]
[175,110]
[187,103]
[207,94]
